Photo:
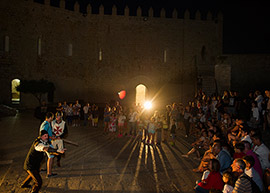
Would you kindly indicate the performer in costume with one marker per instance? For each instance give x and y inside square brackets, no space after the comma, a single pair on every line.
[33,161]
[46,125]
[59,128]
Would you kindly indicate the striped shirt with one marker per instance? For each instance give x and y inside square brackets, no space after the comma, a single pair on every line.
[242,185]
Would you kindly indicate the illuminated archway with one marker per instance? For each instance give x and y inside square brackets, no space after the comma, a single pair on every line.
[140,94]
[15,95]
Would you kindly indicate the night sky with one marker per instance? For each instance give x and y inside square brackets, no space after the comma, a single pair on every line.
[246,22]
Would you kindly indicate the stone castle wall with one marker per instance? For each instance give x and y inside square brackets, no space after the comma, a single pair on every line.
[243,73]
[133,50]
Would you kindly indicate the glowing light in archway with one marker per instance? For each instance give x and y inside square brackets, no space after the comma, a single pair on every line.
[147,105]
[140,94]
[15,94]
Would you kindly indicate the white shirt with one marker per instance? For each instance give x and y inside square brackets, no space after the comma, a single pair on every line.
[133,117]
[263,153]
[121,119]
[255,176]
[259,100]
[85,109]
[205,174]
[227,188]
[255,113]
[247,138]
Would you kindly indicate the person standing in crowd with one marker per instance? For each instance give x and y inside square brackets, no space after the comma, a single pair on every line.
[107,115]
[59,107]
[121,121]
[165,128]
[69,113]
[94,113]
[267,111]
[187,117]
[86,110]
[76,113]
[258,99]
[65,106]
[173,131]
[40,112]
[113,125]
[133,122]
[151,127]
[174,113]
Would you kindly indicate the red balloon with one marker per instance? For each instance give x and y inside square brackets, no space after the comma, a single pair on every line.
[122,94]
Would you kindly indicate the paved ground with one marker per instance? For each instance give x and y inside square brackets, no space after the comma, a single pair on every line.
[99,164]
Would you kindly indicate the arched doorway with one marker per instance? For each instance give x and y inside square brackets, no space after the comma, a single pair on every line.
[140,94]
[15,95]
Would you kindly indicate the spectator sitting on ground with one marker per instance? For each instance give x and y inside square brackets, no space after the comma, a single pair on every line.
[242,184]
[235,133]
[228,180]
[214,179]
[251,172]
[257,164]
[198,144]
[245,134]
[238,150]
[222,155]
[261,150]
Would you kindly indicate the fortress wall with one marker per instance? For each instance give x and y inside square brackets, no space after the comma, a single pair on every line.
[132,47]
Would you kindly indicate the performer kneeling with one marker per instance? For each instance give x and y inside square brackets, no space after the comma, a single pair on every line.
[33,161]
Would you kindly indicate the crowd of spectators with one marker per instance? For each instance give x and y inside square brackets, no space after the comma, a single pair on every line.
[228,129]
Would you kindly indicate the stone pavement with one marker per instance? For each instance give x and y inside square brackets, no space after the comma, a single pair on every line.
[98,164]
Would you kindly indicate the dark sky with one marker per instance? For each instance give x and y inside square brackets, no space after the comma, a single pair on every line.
[246,22]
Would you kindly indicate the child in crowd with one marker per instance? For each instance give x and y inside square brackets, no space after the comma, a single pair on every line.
[151,131]
[238,150]
[69,114]
[94,115]
[165,127]
[228,181]
[140,122]
[112,127]
[197,145]
[107,113]
[159,130]
[121,122]
[173,131]
[213,180]
[251,172]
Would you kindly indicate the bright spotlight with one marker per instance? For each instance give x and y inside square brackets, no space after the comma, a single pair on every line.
[147,105]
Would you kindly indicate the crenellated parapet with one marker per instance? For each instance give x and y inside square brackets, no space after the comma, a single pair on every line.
[174,14]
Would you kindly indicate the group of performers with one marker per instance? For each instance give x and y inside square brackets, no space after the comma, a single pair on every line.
[48,144]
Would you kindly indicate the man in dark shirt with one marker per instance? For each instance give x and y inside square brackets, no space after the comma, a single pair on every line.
[33,161]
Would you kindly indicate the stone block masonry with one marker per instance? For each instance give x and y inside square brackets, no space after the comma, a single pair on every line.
[132,50]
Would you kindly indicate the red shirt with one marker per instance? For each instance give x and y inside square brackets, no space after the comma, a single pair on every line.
[238,155]
[213,181]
